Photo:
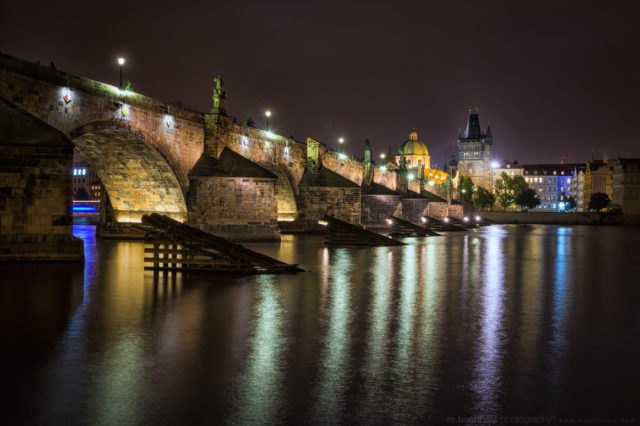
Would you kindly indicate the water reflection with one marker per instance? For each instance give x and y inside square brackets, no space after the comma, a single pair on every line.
[335,368]
[434,278]
[559,304]
[378,334]
[260,384]
[485,322]
[487,370]
[403,361]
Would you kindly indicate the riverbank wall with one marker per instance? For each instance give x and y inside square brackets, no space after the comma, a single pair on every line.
[551,218]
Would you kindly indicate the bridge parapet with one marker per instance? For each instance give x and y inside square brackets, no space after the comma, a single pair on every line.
[72,104]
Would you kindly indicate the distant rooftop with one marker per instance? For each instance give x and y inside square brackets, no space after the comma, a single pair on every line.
[549,169]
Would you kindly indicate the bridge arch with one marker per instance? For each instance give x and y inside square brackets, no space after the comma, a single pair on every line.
[128,127]
[287,206]
[137,178]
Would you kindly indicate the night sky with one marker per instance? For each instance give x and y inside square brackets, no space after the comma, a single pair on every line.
[556,78]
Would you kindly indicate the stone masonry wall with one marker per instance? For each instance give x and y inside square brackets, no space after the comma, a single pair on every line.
[240,209]
[551,218]
[35,199]
[93,106]
[437,209]
[455,210]
[290,155]
[341,203]
[414,208]
[376,209]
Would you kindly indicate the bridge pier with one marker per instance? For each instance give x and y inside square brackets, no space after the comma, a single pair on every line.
[35,190]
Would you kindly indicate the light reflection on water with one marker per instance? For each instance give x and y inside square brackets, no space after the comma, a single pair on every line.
[487,368]
[485,322]
[260,383]
[334,368]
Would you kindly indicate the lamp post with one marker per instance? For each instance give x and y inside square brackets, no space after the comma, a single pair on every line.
[267,123]
[121,63]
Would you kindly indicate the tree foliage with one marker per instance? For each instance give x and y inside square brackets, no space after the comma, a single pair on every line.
[483,199]
[570,203]
[466,188]
[508,189]
[599,201]
[527,199]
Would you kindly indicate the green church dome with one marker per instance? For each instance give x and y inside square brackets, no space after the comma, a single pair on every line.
[413,146]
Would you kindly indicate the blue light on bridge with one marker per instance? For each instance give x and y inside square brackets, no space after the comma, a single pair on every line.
[84,209]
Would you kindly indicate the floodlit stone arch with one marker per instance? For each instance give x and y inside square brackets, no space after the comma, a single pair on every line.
[137,178]
[287,207]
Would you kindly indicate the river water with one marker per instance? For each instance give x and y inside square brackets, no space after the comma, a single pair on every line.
[494,325]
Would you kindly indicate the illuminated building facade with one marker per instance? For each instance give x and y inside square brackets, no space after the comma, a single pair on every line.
[86,184]
[553,183]
[626,186]
[415,153]
[418,162]
[598,177]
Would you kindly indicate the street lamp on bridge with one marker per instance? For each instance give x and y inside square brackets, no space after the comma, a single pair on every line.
[121,63]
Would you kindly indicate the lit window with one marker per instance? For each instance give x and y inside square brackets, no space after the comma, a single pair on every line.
[75,172]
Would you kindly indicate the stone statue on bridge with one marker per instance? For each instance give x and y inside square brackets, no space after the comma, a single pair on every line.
[219,96]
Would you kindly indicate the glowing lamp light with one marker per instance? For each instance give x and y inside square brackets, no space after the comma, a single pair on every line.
[323,222]
[267,113]
[389,221]
[341,140]
[431,183]
[494,165]
[561,205]
[383,168]
[84,209]
[382,156]
[128,220]
[464,190]
[466,219]
[411,176]
[342,156]
[120,61]
[270,134]
[478,218]
[423,219]
[446,220]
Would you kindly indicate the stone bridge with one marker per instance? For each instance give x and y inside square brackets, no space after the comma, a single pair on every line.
[144,152]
